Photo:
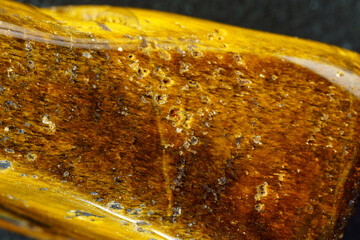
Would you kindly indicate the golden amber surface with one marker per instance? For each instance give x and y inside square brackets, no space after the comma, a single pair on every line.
[120,123]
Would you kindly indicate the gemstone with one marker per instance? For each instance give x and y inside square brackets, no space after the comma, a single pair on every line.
[197,130]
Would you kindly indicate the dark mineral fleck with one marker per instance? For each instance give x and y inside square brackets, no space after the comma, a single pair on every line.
[4,164]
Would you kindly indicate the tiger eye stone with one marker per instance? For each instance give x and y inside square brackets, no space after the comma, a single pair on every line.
[124,123]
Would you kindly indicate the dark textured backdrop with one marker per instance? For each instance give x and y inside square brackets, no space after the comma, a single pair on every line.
[331,21]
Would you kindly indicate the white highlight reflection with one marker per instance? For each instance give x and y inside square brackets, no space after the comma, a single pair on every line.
[128,219]
[342,77]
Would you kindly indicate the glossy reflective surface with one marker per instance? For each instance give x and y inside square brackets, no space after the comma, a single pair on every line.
[130,124]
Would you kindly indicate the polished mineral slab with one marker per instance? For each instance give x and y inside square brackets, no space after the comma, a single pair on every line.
[132,124]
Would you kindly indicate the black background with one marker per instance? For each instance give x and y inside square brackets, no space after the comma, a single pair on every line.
[332,21]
